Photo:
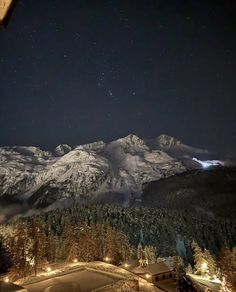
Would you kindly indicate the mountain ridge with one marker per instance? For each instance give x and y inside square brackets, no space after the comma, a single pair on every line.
[85,172]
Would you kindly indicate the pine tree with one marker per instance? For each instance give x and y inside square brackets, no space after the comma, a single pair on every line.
[38,239]
[5,259]
[71,243]
[116,245]
[139,251]
[150,254]
[227,264]
[110,244]
[87,244]
[20,249]
[189,269]
[179,268]
[200,263]
[51,248]
[141,255]
[211,263]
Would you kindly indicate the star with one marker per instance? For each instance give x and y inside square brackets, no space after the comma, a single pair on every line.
[77,36]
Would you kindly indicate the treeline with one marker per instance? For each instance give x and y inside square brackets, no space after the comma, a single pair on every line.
[168,231]
[30,247]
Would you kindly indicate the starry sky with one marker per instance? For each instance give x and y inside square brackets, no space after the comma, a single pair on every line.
[79,71]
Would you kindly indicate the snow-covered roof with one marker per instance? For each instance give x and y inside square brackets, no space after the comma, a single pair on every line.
[158,268]
[9,287]
[130,264]
[153,269]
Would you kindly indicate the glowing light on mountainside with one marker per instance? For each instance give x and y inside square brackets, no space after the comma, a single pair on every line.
[209,163]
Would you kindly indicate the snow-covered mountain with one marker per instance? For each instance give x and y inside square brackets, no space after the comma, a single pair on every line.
[177,149]
[180,151]
[91,172]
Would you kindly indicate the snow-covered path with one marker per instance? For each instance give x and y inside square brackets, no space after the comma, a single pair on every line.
[202,283]
[79,281]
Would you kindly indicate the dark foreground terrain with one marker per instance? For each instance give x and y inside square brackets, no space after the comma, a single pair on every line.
[212,191]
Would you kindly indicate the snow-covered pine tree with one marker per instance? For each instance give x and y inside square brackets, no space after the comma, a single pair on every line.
[110,244]
[123,245]
[150,254]
[189,269]
[179,268]
[200,263]
[51,248]
[92,242]
[20,246]
[70,244]
[227,264]
[38,242]
[139,252]
[116,245]
[211,263]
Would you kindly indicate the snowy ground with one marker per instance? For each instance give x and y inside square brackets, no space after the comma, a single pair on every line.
[202,283]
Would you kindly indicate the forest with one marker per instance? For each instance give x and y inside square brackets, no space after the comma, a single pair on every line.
[90,233]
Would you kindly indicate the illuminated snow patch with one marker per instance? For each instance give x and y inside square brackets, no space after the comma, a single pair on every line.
[209,163]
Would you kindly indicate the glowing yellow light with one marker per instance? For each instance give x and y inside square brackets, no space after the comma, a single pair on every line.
[6,280]
[126,265]
[75,260]
[215,279]
[4,7]
[204,266]
[49,269]
[147,276]
[107,259]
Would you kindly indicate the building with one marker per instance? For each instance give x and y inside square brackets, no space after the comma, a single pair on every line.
[155,272]
[6,9]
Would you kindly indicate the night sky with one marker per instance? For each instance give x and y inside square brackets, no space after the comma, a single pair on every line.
[78,71]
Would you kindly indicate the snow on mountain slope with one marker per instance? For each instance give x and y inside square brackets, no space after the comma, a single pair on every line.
[19,167]
[168,143]
[180,151]
[135,163]
[85,172]
[62,149]
[75,175]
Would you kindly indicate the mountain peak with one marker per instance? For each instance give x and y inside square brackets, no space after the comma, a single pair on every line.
[166,141]
[132,139]
[99,145]
[62,149]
